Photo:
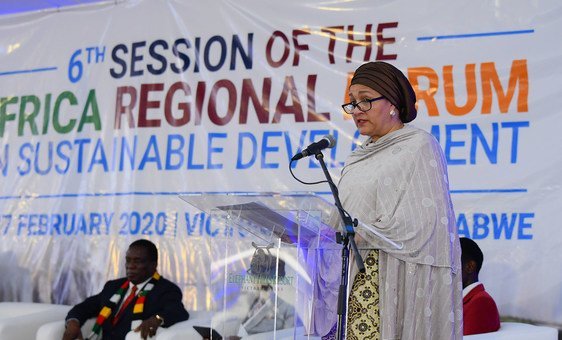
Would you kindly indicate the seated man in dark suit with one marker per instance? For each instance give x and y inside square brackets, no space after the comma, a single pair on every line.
[142,301]
[480,312]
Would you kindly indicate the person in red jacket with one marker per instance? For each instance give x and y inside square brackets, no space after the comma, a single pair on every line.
[480,312]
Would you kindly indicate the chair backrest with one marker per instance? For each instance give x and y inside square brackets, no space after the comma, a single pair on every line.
[20,320]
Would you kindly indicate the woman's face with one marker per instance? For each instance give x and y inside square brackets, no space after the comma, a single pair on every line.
[377,121]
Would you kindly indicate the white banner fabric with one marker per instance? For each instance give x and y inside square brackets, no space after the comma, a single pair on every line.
[109,112]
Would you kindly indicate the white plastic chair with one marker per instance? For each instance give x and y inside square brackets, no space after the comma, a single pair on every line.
[55,330]
[21,320]
[181,330]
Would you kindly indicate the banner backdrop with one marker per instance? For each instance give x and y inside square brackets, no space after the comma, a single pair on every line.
[109,112]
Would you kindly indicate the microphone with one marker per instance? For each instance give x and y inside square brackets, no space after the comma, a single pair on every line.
[328,141]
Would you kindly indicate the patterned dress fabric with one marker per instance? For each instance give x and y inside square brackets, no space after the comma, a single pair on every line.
[363,321]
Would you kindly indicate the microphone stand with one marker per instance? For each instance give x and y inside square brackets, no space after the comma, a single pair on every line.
[346,238]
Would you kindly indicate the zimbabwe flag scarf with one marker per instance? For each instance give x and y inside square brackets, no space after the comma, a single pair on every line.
[118,296]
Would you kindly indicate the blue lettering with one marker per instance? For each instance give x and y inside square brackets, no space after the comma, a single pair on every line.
[477,135]
[190,224]
[515,137]
[208,226]
[49,159]
[80,143]
[4,162]
[82,225]
[95,223]
[462,226]
[127,151]
[221,54]
[174,151]
[246,56]
[481,229]
[68,227]
[240,164]
[43,224]
[212,150]
[523,225]
[450,143]
[99,156]
[25,154]
[55,224]
[290,146]
[152,147]
[191,152]
[265,148]
[504,225]
[65,157]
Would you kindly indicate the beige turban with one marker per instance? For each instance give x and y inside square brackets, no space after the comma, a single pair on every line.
[391,83]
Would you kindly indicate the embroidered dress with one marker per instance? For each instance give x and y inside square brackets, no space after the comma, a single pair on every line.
[363,320]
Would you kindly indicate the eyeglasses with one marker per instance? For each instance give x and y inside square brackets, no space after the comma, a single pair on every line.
[364,105]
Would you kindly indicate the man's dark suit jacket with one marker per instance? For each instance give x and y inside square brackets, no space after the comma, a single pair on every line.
[164,299]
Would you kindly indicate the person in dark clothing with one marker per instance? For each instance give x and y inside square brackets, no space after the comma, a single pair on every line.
[142,301]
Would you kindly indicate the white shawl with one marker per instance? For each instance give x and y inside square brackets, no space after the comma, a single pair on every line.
[398,185]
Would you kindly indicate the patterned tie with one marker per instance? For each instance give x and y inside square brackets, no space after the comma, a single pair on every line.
[125,304]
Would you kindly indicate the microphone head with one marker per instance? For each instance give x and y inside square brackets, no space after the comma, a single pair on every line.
[331,141]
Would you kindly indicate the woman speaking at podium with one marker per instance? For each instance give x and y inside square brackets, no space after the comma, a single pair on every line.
[396,184]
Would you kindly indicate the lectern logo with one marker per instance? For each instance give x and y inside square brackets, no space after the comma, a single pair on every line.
[266,271]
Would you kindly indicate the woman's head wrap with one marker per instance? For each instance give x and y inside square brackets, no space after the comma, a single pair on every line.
[391,83]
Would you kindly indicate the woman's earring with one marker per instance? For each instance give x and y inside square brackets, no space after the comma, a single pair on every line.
[393,113]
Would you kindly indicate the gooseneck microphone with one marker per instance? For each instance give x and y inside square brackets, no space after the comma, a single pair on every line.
[328,141]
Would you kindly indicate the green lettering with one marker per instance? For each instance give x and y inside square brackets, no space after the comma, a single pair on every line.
[47,107]
[28,117]
[56,123]
[4,116]
[95,117]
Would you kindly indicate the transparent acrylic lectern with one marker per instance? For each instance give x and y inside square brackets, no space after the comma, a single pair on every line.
[263,267]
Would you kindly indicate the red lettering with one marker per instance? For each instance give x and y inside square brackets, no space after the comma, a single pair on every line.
[249,93]
[298,46]
[352,43]
[125,109]
[231,89]
[381,41]
[283,108]
[268,52]
[314,116]
[182,106]
[146,104]
[332,31]
[199,99]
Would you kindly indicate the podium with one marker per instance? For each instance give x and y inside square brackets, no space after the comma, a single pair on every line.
[264,269]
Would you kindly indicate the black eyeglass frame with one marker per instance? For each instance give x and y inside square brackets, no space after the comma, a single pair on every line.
[351,106]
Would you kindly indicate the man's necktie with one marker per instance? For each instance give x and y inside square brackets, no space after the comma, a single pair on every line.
[125,304]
